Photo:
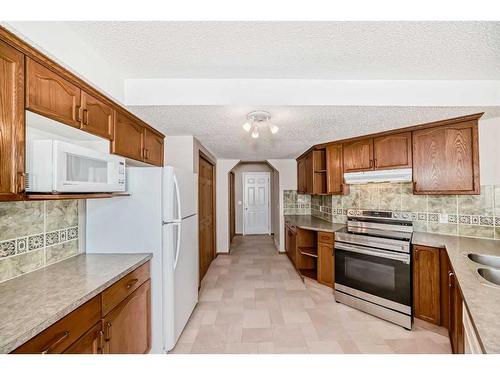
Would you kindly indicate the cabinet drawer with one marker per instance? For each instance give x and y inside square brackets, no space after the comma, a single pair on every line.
[325,237]
[59,336]
[120,290]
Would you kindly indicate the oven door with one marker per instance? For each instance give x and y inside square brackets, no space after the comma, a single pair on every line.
[386,275]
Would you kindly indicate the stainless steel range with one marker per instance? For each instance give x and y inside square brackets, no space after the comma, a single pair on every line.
[373,264]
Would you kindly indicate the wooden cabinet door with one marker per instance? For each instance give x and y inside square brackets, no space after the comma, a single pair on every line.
[128,137]
[48,94]
[90,343]
[325,264]
[153,148]
[446,159]
[392,151]
[358,155]
[456,328]
[97,117]
[206,215]
[334,169]
[309,174]
[290,248]
[127,328]
[301,175]
[426,284]
[12,140]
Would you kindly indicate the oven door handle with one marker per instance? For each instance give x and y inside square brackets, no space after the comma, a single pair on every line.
[405,258]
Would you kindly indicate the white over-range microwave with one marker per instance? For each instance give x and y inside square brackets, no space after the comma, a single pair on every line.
[61,167]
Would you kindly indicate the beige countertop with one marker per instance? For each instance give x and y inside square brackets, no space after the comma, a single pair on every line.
[32,302]
[313,223]
[481,297]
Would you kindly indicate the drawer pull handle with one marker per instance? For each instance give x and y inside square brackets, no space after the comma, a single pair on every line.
[131,283]
[60,339]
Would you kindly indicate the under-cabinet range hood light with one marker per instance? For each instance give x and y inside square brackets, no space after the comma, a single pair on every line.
[389,175]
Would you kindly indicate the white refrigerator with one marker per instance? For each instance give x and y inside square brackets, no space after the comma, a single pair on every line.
[159,217]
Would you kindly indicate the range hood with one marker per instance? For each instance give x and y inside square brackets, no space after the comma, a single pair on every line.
[389,175]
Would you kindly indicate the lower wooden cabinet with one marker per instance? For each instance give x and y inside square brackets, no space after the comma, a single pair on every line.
[436,293]
[325,264]
[126,329]
[426,284]
[90,343]
[456,328]
[290,243]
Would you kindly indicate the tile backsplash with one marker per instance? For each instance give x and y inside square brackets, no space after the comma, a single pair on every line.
[464,215]
[36,234]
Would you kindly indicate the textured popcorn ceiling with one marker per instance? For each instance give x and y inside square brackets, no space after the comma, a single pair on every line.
[219,128]
[327,50]
[295,50]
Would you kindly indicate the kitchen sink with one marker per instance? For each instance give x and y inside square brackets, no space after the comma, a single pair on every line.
[485,260]
[491,275]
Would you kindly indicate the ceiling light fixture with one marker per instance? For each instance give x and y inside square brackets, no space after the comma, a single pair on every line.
[259,119]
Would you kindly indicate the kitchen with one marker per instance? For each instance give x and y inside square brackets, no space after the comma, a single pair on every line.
[218,223]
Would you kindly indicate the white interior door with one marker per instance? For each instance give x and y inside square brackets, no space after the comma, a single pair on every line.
[256,209]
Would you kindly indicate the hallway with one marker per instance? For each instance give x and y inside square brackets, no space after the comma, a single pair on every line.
[253,301]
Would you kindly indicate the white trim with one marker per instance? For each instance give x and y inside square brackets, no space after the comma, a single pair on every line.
[244,174]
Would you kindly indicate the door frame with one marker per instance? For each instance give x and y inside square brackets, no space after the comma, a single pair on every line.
[232,207]
[268,174]
[202,155]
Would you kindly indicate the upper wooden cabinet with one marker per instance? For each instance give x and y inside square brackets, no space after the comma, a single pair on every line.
[50,95]
[358,155]
[128,137]
[334,169]
[392,151]
[446,159]
[312,173]
[301,175]
[97,117]
[153,148]
[11,123]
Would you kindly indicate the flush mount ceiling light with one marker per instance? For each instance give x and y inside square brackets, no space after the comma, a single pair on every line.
[257,120]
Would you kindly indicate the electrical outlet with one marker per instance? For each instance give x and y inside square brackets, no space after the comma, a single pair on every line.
[443,218]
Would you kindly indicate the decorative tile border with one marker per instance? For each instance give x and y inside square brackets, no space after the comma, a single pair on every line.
[22,245]
[475,216]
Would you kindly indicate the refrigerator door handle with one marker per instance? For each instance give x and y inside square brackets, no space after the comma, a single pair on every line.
[177,196]
[178,245]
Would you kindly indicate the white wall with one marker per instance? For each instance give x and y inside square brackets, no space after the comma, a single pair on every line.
[222,202]
[489,151]
[287,169]
[179,152]
[63,45]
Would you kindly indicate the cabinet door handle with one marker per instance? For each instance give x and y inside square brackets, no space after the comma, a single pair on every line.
[78,114]
[100,349]
[450,276]
[108,332]
[416,254]
[131,283]
[63,336]
[371,163]
[414,185]
[85,117]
